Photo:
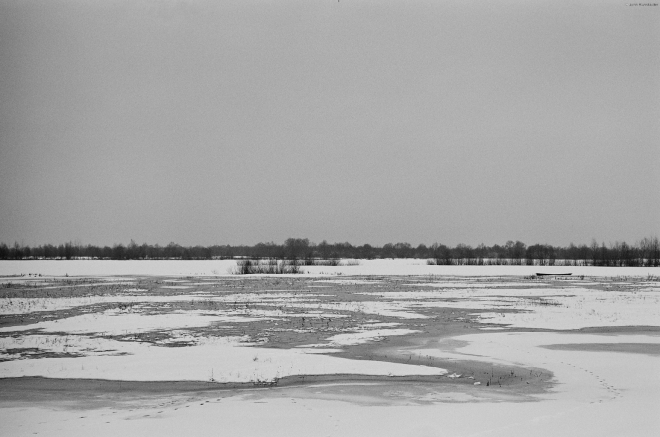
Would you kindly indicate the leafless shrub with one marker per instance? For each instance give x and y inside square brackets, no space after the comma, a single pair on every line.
[270,266]
[352,262]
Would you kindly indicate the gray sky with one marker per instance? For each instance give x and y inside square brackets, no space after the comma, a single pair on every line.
[362,121]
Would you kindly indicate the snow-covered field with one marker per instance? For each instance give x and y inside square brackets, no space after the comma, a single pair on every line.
[387,347]
[380,267]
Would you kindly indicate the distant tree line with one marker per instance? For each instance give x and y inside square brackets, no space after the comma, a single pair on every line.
[643,253]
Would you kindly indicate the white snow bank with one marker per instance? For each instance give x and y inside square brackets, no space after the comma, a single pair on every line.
[216,360]
[385,267]
[353,338]
[116,322]
[477,284]
[83,345]
[387,309]
[26,305]
[469,293]
[547,308]
[112,268]
[597,394]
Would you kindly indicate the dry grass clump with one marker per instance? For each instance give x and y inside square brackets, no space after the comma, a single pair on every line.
[271,266]
[331,262]
[352,262]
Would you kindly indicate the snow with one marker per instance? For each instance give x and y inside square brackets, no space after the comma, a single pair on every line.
[354,338]
[585,309]
[454,293]
[368,307]
[597,380]
[219,360]
[115,268]
[25,305]
[281,314]
[599,394]
[596,393]
[559,309]
[380,267]
[477,284]
[117,322]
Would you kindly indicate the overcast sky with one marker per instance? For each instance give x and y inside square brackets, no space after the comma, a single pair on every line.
[362,121]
